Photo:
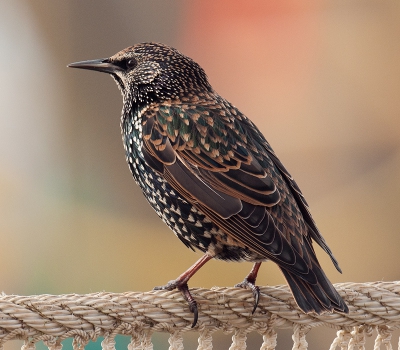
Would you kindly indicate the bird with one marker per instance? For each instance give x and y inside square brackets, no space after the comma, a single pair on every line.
[212,177]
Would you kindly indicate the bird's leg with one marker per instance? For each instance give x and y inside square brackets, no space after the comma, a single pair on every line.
[181,284]
[249,282]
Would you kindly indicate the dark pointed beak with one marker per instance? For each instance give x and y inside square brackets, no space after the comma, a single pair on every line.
[101,65]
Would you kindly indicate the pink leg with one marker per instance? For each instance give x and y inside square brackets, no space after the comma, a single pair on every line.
[181,284]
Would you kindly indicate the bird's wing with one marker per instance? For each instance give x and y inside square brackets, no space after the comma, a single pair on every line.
[218,161]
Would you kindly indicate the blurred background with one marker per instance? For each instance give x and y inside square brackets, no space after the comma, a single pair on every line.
[321,79]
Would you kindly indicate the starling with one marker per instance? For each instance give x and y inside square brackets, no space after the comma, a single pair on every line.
[212,177]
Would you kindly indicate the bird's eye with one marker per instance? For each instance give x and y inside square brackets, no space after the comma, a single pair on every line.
[131,63]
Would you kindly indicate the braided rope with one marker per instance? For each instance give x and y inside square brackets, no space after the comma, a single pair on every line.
[53,318]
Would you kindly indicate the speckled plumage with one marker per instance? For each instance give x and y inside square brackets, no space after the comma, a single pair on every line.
[211,176]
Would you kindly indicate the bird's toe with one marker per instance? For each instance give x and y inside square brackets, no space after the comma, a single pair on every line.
[171,285]
[246,284]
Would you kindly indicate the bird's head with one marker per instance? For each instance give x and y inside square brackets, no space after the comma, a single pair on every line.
[151,72]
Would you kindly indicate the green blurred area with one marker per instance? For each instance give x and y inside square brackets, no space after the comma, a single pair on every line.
[320,79]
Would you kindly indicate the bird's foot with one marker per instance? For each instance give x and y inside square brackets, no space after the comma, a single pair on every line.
[247,284]
[181,284]
[184,289]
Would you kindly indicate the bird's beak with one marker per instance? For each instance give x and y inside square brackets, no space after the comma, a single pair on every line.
[101,65]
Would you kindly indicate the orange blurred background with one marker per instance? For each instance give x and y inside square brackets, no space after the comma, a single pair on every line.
[321,79]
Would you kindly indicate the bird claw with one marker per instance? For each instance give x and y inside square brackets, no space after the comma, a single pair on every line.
[184,289]
[246,284]
[194,310]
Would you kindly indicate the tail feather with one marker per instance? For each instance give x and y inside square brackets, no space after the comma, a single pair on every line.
[319,298]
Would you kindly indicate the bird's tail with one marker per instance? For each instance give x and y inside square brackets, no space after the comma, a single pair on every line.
[319,297]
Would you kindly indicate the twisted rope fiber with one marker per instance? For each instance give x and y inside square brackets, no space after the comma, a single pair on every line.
[53,318]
